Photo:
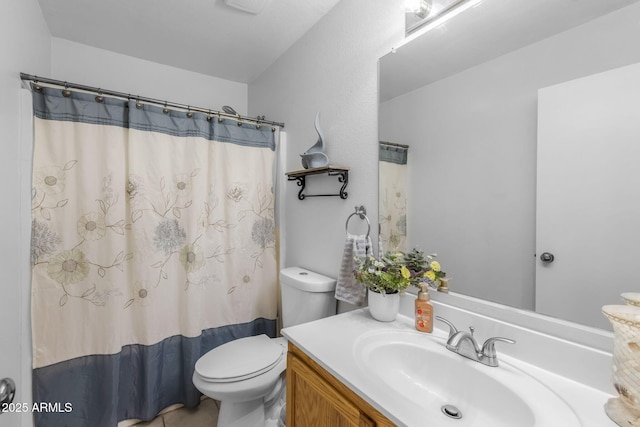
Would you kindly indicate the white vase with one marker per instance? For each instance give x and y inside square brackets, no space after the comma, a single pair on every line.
[383,307]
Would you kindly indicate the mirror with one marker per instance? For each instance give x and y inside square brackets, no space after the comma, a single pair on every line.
[470,98]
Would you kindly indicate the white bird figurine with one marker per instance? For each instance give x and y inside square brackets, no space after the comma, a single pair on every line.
[315,157]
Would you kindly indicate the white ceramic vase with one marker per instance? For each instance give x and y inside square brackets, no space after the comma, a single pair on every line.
[383,307]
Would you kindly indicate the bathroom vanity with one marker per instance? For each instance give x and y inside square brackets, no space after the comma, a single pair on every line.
[354,371]
[317,398]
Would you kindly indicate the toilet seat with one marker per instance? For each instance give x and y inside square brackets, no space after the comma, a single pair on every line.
[240,359]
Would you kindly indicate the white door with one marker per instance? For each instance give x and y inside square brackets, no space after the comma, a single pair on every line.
[588,194]
[15,281]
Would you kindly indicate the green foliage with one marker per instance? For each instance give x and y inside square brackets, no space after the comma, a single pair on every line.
[386,275]
[396,271]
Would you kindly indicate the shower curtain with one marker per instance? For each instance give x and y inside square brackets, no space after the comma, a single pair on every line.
[392,197]
[153,241]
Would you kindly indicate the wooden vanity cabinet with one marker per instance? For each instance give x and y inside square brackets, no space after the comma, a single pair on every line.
[315,398]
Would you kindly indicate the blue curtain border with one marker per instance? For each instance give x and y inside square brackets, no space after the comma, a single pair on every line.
[50,104]
[393,154]
[145,379]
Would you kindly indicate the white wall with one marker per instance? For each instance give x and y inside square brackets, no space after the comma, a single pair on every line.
[473,154]
[96,67]
[24,46]
[331,69]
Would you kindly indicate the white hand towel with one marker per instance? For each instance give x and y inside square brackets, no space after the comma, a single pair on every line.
[348,289]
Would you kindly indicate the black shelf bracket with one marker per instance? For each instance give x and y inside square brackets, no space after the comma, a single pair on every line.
[300,177]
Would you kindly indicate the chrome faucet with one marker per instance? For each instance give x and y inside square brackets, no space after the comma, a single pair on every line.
[465,344]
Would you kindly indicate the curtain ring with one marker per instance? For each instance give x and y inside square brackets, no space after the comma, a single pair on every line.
[66,92]
[138,103]
[189,113]
[273,129]
[209,118]
[99,98]
[36,86]
[165,109]
[220,119]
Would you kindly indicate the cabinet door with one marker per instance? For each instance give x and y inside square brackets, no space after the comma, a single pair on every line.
[312,402]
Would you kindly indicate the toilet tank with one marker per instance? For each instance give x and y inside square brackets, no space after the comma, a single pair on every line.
[306,296]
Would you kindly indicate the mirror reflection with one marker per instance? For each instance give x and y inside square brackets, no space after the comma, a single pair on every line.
[522,121]
[392,196]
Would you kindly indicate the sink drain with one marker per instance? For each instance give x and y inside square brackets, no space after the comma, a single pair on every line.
[451,412]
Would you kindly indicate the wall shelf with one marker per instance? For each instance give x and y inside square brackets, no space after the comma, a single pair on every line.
[301,175]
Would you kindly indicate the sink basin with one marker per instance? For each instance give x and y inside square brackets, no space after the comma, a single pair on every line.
[420,369]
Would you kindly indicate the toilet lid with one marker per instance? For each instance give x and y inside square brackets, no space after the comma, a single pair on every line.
[240,359]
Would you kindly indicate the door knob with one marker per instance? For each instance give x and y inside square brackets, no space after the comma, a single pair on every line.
[7,390]
[547,257]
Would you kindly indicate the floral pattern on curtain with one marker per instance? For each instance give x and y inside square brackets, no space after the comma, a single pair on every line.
[153,241]
[392,197]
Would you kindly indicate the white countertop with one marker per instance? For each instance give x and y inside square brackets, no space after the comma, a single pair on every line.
[330,342]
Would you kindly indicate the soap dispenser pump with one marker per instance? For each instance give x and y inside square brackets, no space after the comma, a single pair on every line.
[424,310]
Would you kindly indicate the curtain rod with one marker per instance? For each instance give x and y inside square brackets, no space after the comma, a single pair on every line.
[393,144]
[101,91]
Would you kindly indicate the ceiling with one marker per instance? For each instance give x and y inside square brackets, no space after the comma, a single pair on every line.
[204,36]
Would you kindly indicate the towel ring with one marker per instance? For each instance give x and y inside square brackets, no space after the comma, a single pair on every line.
[361,211]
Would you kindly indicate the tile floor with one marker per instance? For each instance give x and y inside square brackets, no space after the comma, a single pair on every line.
[205,415]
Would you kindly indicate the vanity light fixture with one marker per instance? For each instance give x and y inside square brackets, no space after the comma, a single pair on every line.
[427,14]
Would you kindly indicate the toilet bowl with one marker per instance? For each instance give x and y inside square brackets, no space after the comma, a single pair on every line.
[242,375]
[246,375]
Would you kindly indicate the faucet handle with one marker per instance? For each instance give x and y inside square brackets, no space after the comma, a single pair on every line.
[489,349]
[452,329]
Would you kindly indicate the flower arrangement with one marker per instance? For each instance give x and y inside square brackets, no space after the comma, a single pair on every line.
[423,268]
[396,271]
[386,275]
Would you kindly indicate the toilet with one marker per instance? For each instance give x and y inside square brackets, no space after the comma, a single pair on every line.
[247,375]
